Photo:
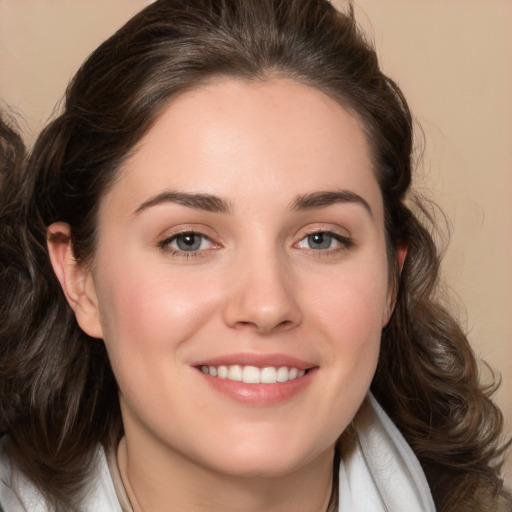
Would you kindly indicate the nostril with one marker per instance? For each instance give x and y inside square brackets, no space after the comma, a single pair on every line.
[261,305]
[264,327]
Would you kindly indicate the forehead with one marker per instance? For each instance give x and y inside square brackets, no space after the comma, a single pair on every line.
[240,139]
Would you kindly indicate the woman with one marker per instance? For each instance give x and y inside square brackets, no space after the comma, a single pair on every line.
[208,264]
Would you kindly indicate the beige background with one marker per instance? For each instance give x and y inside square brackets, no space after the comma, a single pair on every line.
[453,60]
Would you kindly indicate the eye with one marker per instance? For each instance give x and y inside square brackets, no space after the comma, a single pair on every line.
[324,240]
[187,242]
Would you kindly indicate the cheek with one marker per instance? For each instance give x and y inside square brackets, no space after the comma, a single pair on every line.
[352,300]
[350,310]
[148,316]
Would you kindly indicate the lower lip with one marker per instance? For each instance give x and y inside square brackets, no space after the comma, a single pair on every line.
[260,394]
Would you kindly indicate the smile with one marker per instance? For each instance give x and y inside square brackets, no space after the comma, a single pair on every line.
[254,375]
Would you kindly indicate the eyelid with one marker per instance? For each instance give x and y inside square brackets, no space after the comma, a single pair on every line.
[183,229]
[319,227]
[344,239]
[174,238]
[164,241]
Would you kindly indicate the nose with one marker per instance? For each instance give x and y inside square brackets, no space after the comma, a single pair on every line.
[262,295]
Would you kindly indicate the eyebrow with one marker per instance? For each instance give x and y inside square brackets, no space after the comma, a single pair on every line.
[206,202]
[329,198]
[212,203]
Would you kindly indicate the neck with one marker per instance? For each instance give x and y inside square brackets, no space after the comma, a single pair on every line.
[153,484]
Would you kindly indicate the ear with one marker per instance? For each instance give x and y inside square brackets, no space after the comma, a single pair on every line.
[401,254]
[75,279]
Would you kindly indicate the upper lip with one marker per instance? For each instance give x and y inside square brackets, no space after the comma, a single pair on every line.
[258,360]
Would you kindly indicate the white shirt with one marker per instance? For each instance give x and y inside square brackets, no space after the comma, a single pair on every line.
[378,473]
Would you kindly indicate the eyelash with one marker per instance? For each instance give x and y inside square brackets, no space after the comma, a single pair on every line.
[179,253]
[345,243]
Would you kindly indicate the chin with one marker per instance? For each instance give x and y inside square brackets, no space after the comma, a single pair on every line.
[269,460]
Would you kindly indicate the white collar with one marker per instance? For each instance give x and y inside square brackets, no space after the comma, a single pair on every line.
[379,472]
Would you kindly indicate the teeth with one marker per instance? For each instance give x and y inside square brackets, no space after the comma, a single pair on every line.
[234,373]
[253,374]
[268,375]
[282,374]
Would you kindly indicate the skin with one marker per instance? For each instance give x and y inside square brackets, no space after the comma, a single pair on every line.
[258,286]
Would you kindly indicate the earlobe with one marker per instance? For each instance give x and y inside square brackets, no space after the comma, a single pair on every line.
[401,254]
[75,279]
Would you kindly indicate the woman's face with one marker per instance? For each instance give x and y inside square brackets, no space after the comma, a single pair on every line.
[243,238]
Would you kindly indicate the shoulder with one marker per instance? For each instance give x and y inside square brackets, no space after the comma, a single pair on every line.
[17,494]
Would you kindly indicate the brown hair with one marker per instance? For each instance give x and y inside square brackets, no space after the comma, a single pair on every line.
[59,398]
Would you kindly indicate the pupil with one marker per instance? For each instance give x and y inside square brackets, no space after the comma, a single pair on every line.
[320,241]
[188,242]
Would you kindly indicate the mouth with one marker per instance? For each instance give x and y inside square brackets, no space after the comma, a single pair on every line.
[253,375]
[258,379]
